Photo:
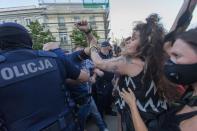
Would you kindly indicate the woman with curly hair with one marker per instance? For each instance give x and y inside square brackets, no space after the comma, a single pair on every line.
[139,66]
[181,68]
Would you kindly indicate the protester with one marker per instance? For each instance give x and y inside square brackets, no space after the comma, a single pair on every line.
[181,68]
[31,95]
[136,68]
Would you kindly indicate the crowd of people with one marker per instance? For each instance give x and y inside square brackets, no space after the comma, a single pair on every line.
[151,79]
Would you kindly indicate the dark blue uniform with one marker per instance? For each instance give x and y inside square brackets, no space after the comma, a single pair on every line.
[31,89]
[104,89]
[81,90]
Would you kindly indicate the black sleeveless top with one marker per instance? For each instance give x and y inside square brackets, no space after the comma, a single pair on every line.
[147,100]
[170,120]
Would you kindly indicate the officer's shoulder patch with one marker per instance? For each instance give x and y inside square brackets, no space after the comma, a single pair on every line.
[46,54]
[2,58]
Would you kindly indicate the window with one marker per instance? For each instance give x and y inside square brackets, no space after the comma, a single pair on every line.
[92,21]
[45,19]
[27,21]
[76,18]
[63,38]
[92,18]
[61,21]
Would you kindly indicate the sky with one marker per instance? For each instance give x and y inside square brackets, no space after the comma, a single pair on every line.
[124,12]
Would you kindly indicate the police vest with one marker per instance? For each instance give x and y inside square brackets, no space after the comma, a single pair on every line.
[31,96]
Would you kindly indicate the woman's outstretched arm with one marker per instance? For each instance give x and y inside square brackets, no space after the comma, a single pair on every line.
[115,65]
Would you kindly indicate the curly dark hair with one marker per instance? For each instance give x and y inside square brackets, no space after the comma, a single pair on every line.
[151,50]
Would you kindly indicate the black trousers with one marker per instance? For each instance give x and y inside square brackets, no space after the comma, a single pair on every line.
[104,98]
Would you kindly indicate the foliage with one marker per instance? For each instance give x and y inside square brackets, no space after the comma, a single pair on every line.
[79,38]
[39,35]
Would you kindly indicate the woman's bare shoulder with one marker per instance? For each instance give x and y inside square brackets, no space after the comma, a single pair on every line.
[189,124]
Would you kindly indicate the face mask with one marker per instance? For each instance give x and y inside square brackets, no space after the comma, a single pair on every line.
[184,74]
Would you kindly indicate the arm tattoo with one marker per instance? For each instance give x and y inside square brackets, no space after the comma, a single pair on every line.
[128,59]
[94,54]
[118,59]
[113,68]
[89,37]
[112,65]
[94,49]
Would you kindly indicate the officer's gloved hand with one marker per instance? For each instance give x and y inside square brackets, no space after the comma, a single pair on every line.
[51,46]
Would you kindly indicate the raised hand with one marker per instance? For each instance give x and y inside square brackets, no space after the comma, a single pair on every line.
[83,26]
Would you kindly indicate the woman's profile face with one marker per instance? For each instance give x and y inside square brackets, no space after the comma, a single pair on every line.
[182,53]
[132,43]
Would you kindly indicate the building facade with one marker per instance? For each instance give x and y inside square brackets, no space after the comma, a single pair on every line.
[59,18]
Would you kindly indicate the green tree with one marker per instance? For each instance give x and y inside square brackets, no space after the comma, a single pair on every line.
[79,38]
[39,35]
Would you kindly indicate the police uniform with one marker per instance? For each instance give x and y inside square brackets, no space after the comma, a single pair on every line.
[104,87]
[31,85]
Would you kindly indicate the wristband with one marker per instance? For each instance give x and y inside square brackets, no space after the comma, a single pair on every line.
[82,55]
[93,47]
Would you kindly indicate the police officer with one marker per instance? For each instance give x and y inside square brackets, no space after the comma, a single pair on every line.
[104,85]
[31,83]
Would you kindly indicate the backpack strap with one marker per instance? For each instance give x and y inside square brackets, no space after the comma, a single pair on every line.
[186,116]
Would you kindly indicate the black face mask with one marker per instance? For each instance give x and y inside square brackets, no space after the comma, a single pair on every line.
[184,74]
